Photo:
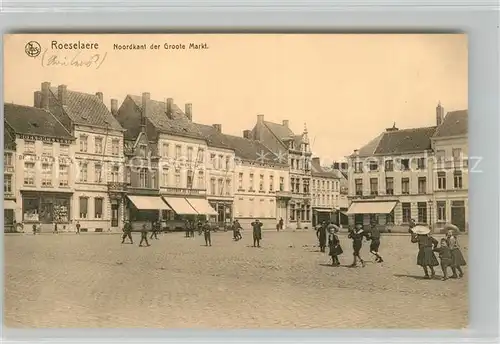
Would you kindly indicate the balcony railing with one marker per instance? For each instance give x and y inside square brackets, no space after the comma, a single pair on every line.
[184,191]
[283,194]
[117,187]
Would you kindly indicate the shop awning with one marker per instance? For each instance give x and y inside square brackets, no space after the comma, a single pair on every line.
[201,206]
[371,207]
[9,204]
[180,206]
[323,210]
[148,203]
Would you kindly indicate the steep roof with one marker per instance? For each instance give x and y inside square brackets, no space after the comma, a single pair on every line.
[405,141]
[177,124]
[31,120]
[456,123]
[370,147]
[87,109]
[320,171]
[279,130]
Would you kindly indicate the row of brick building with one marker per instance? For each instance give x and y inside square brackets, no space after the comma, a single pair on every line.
[70,158]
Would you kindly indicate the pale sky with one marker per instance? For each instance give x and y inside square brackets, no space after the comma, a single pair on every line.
[347,88]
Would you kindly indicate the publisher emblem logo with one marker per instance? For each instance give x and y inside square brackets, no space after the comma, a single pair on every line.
[33,49]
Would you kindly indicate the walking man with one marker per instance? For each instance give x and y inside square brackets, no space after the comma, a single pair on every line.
[144,236]
[127,232]
[206,231]
[56,231]
[237,228]
[34,228]
[374,237]
[77,227]
[257,232]
[357,236]
[280,223]
[154,230]
[321,234]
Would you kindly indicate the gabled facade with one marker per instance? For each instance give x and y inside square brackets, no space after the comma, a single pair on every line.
[99,154]
[451,171]
[9,180]
[42,151]
[295,151]
[325,193]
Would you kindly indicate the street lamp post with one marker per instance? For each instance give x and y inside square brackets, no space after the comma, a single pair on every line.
[430,213]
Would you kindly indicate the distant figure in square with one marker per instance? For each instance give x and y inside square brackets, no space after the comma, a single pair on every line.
[127,232]
[154,230]
[187,229]
[34,228]
[411,224]
[144,236]
[56,230]
[280,223]
[335,248]
[445,257]
[206,231]
[191,229]
[237,228]
[457,258]
[322,236]
[257,232]
[425,258]
[374,237]
[200,227]
[357,236]
[77,227]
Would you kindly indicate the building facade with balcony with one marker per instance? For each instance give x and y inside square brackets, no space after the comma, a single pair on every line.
[99,158]
[390,179]
[325,193]
[182,153]
[451,173]
[44,158]
[294,150]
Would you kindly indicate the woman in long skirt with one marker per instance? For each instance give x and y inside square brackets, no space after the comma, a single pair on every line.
[457,258]
[425,257]
[335,248]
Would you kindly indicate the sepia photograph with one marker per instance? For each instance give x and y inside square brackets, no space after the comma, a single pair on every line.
[236,181]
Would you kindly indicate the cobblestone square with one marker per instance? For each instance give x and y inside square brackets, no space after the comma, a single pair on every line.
[91,280]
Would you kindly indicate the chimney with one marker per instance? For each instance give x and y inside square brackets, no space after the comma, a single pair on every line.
[189,111]
[114,106]
[144,105]
[217,127]
[356,152]
[260,118]
[394,128]
[100,96]
[45,95]
[62,94]
[247,134]
[439,114]
[286,123]
[170,105]
[37,101]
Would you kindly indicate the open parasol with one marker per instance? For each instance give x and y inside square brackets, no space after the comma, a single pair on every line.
[332,228]
[451,226]
[421,230]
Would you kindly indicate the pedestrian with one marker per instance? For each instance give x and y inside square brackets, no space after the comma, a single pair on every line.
[281,223]
[127,232]
[411,224]
[191,229]
[206,231]
[186,227]
[34,228]
[77,227]
[235,235]
[257,232]
[200,227]
[457,258]
[357,236]
[321,234]
[426,244]
[374,237]
[237,228]
[445,257]
[335,248]
[154,230]
[144,236]
[56,231]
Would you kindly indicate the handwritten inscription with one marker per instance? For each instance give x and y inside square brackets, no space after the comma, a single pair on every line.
[78,59]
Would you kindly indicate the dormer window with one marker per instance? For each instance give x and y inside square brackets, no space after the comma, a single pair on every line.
[142,150]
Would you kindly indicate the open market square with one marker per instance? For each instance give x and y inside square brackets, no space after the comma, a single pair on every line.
[92,280]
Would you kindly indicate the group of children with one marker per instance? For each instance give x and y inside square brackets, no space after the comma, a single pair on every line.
[357,235]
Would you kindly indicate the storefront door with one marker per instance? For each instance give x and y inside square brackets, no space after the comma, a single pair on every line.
[114,214]
[8,215]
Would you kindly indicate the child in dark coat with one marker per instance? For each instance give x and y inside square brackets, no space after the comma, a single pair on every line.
[335,248]
[444,256]
[457,258]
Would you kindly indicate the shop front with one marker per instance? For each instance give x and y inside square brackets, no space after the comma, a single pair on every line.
[143,210]
[322,214]
[46,208]
[223,210]
[370,213]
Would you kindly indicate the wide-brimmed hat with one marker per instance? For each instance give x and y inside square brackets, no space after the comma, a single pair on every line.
[422,230]
[451,226]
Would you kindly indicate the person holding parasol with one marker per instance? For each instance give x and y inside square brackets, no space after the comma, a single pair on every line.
[457,258]
[426,244]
